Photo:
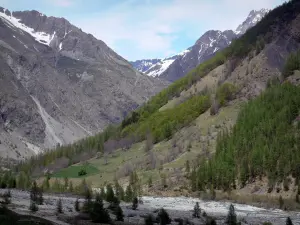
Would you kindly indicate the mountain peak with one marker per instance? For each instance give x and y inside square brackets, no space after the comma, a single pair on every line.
[254,17]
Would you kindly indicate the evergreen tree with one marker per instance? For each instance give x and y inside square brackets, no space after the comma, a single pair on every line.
[102,193]
[197,210]
[281,202]
[128,194]
[187,166]
[110,195]
[135,203]
[98,213]
[150,182]
[34,192]
[163,217]
[59,208]
[76,205]
[71,188]
[33,206]
[7,197]
[231,217]
[289,221]
[149,220]
[119,214]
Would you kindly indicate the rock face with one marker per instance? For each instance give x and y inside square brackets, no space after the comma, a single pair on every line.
[205,47]
[59,84]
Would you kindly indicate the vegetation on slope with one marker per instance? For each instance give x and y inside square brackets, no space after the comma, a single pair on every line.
[162,124]
[264,142]
[292,64]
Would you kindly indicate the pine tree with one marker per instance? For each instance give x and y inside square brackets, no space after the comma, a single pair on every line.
[231,217]
[197,210]
[34,192]
[187,167]
[135,203]
[163,217]
[281,202]
[128,194]
[59,208]
[110,195]
[33,206]
[119,214]
[289,221]
[149,220]
[102,193]
[76,205]
[150,182]
[71,188]
[98,213]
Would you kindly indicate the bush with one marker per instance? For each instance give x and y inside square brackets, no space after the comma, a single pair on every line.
[292,64]
[225,93]
[82,172]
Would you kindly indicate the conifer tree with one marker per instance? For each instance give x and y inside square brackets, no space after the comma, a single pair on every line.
[119,214]
[163,217]
[231,217]
[128,194]
[76,205]
[59,208]
[110,195]
[197,210]
[289,221]
[149,220]
[135,203]
[98,213]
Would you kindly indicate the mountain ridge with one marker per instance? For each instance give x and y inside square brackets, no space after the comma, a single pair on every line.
[204,48]
[74,84]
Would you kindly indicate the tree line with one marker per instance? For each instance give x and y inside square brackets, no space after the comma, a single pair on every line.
[264,142]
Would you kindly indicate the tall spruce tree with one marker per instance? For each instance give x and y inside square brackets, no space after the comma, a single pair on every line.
[231,217]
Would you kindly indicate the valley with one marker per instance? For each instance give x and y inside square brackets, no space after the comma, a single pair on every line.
[223,129]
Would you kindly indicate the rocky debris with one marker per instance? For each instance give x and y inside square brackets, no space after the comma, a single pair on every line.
[177,207]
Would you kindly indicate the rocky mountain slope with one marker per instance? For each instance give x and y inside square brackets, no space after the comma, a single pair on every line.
[59,84]
[205,47]
[177,131]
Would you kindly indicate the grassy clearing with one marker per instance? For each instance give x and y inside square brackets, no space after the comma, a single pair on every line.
[72,171]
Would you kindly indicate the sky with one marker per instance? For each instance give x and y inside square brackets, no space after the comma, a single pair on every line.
[144,29]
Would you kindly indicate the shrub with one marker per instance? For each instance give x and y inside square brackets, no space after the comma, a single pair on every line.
[82,172]
[225,93]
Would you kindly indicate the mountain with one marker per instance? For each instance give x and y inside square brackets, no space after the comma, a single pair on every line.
[253,18]
[230,125]
[205,47]
[59,84]
[155,67]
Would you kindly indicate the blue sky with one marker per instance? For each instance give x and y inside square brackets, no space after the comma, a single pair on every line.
[140,29]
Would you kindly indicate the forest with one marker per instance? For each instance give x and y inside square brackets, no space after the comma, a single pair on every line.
[264,142]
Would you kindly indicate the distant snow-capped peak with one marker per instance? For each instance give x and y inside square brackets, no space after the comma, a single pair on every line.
[253,18]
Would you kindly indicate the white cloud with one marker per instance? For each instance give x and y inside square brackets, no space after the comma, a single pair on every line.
[151,28]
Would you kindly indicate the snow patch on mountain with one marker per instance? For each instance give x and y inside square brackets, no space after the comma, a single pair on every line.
[13,22]
[163,66]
